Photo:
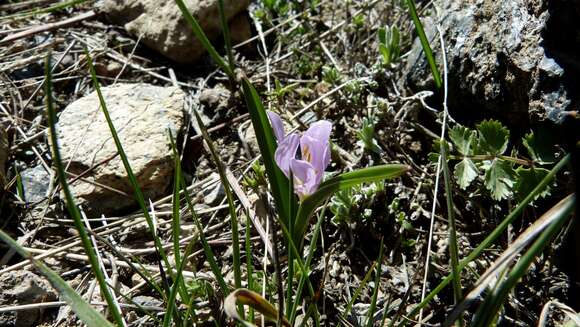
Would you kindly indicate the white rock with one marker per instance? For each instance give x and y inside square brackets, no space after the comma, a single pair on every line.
[142,115]
[161,26]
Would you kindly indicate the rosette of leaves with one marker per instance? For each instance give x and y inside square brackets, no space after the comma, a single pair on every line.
[389,44]
[483,154]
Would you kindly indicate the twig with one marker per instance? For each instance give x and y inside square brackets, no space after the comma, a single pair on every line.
[48,27]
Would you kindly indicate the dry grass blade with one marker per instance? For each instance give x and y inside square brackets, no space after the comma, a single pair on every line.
[492,274]
[570,313]
[256,301]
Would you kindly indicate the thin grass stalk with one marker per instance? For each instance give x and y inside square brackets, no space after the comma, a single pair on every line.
[496,233]
[290,277]
[373,306]
[277,269]
[200,35]
[70,202]
[424,43]
[311,250]
[206,248]
[453,251]
[175,217]
[178,280]
[226,33]
[231,206]
[249,262]
[362,285]
[132,179]
[493,302]
[143,273]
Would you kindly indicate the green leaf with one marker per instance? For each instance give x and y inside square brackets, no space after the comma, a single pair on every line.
[527,180]
[385,53]
[280,185]
[462,139]
[81,308]
[339,183]
[499,179]
[465,172]
[382,34]
[541,149]
[493,137]
[425,43]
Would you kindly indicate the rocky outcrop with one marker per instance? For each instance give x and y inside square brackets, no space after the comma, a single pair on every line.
[23,287]
[161,26]
[514,59]
[143,115]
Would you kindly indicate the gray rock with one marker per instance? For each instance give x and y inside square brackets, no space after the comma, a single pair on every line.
[35,182]
[23,287]
[161,26]
[147,301]
[504,58]
[142,115]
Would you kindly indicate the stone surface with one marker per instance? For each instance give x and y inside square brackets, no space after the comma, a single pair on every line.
[35,182]
[508,59]
[23,287]
[142,115]
[161,26]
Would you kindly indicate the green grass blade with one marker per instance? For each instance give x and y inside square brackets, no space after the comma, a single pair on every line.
[424,43]
[453,251]
[132,179]
[338,183]
[311,250]
[362,285]
[198,31]
[495,234]
[177,284]
[226,33]
[230,198]
[70,202]
[176,219]
[249,262]
[206,248]
[373,306]
[493,302]
[278,182]
[85,312]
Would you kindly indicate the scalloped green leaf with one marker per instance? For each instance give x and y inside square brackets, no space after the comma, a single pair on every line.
[493,137]
[528,179]
[465,172]
[499,179]
[462,139]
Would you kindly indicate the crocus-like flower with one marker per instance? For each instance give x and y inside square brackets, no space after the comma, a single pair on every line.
[307,171]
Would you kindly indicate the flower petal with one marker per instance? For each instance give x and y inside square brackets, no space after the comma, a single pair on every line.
[286,151]
[320,130]
[305,179]
[277,125]
[315,152]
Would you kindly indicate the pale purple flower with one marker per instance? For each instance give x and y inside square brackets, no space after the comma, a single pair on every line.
[308,171]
